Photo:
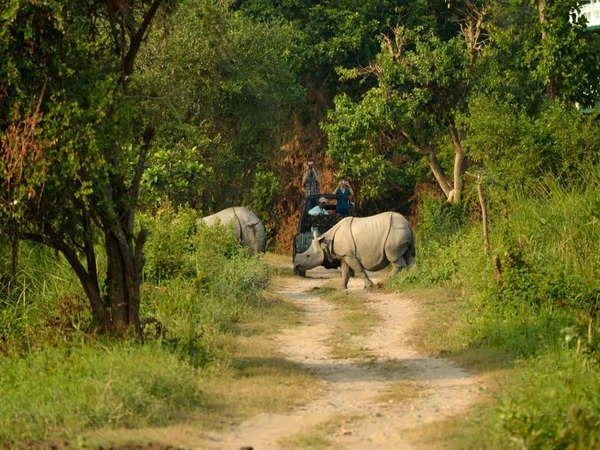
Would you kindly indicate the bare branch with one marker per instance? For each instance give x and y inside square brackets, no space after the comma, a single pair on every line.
[472,28]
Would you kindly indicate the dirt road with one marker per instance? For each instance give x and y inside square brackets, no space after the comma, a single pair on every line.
[356,410]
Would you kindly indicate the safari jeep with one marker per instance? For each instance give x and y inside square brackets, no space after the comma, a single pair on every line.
[307,223]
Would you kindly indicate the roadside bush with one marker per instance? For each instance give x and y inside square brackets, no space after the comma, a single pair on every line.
[221,281]
[213,246]
[265,189]
[549,250]
[439,219]
[169,248]
[446,244]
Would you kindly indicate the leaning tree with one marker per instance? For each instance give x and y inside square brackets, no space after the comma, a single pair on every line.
[74,139]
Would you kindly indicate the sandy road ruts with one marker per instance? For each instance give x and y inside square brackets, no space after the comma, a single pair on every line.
[352,387]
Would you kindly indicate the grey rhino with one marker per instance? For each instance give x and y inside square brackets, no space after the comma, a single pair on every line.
[363,243]
[246,226]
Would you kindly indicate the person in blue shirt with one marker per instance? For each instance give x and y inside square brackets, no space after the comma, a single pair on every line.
[343,204]
[319,209]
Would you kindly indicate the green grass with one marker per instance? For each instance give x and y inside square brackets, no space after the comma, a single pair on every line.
[63,390]
[58,379]
[248,377]
[533,338]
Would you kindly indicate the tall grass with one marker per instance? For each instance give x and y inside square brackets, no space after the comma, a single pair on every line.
[57,378]
[542,313]
[64,389]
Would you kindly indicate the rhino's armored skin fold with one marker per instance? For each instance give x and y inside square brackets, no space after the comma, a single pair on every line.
[361,244]
[246,226]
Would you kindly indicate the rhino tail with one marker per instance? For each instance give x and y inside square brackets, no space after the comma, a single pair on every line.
[409,256]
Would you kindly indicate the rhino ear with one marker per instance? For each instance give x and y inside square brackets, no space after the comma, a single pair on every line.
[315,235]
[324,243]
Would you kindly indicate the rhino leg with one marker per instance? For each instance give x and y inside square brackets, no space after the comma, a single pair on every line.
[397,266]
[252,233]
[346,274]
[357,267]
[400,257]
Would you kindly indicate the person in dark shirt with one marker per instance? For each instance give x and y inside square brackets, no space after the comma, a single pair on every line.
[311,180]
[343,204]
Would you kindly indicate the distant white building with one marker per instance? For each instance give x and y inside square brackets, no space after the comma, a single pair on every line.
[591,10]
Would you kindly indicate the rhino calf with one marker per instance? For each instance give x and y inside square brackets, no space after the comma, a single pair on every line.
[246,226]
[361,244]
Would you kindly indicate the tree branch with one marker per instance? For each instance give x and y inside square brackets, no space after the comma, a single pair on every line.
[88,281]
[136,40]
[434,165]
[139,170]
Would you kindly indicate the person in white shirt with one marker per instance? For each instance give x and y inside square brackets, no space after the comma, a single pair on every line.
[319,210]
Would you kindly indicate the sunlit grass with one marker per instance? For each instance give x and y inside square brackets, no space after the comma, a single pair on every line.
[356,320]
[516,333]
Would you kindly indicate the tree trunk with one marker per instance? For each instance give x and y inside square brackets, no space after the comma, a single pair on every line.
[123,277]
[92,291]
[484,220]
[88,277]
[542,16]
[89,281]
[116,285]
[459,159]
[438,173]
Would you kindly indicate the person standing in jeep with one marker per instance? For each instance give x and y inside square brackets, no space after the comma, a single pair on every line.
[311,180]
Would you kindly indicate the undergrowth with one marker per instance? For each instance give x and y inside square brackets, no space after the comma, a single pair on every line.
[536,308]
[59,377]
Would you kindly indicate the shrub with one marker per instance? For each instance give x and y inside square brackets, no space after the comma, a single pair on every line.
[542,313]
[440,219]
[265,189]
[445,244]
[170,246]
[194,306]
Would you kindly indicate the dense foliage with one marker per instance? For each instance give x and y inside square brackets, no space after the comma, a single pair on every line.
[222,87]
[74,141]
[123,121]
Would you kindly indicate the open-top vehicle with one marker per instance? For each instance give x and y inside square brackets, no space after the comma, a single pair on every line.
[321,224]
